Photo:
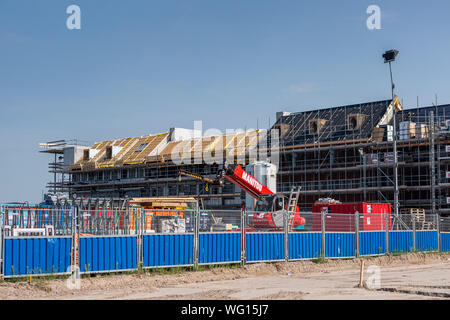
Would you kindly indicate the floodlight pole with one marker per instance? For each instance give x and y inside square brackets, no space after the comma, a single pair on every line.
[392,81]
[396,204]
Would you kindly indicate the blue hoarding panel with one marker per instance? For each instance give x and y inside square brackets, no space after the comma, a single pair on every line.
[338,245]
[24,256]
[168,250]
[426,240]
[267,246]
[401,241]
[372,243]
[445,241]
[219,247]
[305,245]
[102,254]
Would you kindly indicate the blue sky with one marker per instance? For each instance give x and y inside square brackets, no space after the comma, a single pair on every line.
[139,67]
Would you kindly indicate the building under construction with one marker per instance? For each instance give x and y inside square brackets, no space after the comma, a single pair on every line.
[344,153]
[148,166]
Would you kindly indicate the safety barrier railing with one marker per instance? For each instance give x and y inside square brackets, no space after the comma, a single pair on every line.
[219,237]
[29,221]
[37,242]
[167,238]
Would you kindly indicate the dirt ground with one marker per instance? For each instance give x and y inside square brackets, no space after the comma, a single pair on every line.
[410,276]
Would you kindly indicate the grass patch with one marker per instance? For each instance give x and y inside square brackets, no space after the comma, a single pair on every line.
[172,270]
[178,270]
[16,279]
[320,259]
[40,278]
[218,266]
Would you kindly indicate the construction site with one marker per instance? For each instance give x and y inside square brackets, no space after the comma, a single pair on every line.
[315,185]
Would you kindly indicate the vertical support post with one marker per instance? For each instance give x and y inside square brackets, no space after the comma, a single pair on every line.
[438,229]
[196,232]
[396,204]
[357,249]
[243,237]
[96,218]
[414,230]
[140,237]
[143,229]
[364,158]
[386,229]
[72,247]
[286,234]
[75,241]
[432,165]
[322,220]
[126,219]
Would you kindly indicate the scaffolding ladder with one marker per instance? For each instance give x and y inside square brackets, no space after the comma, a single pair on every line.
[292,204]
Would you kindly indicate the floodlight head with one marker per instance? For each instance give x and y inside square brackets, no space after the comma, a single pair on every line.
[390,55]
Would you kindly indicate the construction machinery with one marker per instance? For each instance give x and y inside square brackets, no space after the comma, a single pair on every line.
[269,207]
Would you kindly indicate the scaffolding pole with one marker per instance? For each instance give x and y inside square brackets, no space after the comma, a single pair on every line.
[432,165]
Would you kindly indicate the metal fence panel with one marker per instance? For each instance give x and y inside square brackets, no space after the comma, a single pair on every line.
[339,245]
[263,221]
[33,219]
[36,255]
[445,224]
[426,240]
[219,220]
[445,241]
[105,254]
[304,245]
[401,241]
[267,246]
[372,243]
[219,247]
[102,222]
[168,250]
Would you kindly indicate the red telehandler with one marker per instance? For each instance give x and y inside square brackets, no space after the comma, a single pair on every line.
[269,207]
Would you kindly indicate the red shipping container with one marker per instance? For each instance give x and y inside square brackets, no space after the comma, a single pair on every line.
[340,216]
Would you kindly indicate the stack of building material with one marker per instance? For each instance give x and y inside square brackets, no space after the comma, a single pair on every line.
[407,130]
[418,214]
[327,201]
[222,227]
[421,131]
[173,225]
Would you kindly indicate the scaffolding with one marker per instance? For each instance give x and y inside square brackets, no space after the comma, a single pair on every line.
[58,165]
[360,167]
[145,168]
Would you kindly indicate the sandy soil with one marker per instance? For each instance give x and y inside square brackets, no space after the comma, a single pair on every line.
[411,276]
